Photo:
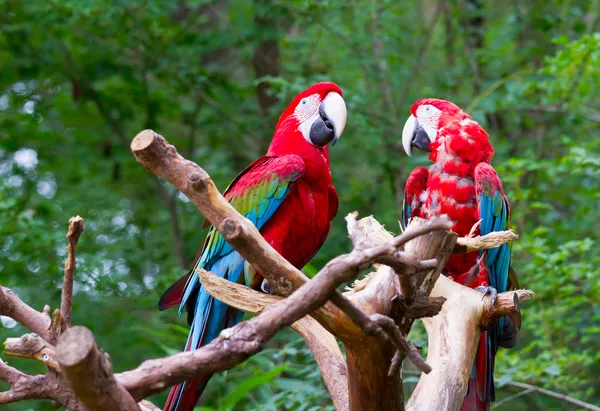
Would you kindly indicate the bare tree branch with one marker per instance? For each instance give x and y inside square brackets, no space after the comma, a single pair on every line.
[503,401]
[233,345]
[153,152]
[89,372]
[13,307]
[157,155]
[453,337]
[506,303]
[33,347]
[237,343]
[66,301]
[23,386]
[491,240]
[321,343]
[34,387]
[529,388]
[556,395]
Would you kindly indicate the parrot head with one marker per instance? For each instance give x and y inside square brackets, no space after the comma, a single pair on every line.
[318,115]
[427,117]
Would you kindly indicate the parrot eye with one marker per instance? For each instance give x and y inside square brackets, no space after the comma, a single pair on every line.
[428,112]
[307,106]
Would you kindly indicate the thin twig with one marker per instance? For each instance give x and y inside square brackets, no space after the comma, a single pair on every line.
[512,397]
[556,395]
[66,300]
[402,345]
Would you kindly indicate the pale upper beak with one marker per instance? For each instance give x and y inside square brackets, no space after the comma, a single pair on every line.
[333,113]
[407,134]
[416,135]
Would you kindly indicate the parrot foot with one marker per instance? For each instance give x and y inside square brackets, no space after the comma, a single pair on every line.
[487,290]
[267,288]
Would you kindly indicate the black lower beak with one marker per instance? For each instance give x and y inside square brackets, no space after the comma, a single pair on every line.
[420,139]
[322,131]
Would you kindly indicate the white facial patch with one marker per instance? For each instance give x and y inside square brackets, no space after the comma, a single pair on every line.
[306,112]
[429,117]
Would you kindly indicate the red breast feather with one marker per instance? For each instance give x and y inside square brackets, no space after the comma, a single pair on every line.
[461,145]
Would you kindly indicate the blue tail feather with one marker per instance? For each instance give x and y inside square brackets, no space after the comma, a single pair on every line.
[210,315]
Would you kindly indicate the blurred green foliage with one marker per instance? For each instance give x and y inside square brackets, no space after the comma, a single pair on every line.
[81,77]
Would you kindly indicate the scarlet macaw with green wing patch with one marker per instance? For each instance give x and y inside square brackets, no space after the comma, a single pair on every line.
[462,184]
[289,196]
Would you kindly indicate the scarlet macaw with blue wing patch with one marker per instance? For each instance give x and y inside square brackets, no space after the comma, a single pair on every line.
[289,196]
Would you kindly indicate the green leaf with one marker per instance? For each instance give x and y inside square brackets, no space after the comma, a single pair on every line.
[247,385]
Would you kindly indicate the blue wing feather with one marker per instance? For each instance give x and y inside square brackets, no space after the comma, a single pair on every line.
[494,212]
[258,204]
[256,193]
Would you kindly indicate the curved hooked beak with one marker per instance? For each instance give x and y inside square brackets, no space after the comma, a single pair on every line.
[328,127]
[415,135]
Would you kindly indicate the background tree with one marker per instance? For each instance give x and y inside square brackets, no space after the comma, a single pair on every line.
[80,78]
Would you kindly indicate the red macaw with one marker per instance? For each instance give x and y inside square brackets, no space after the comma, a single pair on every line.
[289,196]
[462,184]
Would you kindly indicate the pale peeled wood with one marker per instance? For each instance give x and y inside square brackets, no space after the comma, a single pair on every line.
[31,346]
[454,333]
[453,336]
[491,240]
[368,358]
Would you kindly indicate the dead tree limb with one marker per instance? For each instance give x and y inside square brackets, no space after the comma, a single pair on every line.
[66,301]
[31,346]
[373,388]
[157,155]
[491,240]
[532,388]
[35,387]
[11,306]
[453,337]
[89,372]
[37,346]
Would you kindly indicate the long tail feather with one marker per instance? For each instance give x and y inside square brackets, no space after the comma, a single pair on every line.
[480,389]
[172,297]
[184,396]
[210,317]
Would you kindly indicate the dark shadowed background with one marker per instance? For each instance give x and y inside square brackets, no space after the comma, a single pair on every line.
[79,78]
